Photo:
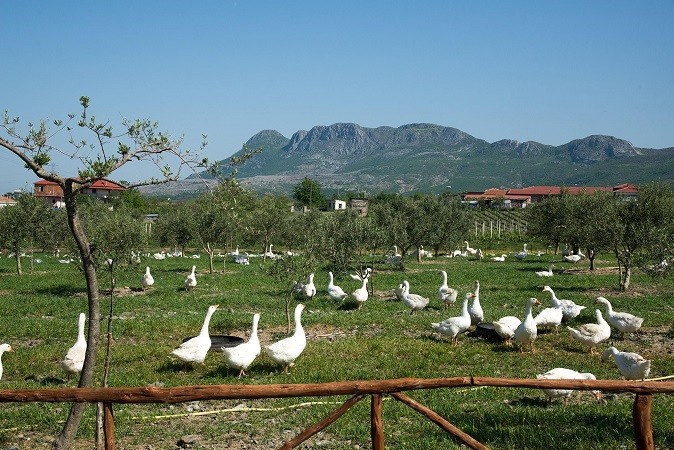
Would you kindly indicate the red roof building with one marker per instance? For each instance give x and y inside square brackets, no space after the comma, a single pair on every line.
[52,193]
[520,197]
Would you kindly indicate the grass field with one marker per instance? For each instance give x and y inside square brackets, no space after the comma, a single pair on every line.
[39,318]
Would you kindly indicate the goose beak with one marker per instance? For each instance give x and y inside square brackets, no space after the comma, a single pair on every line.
[10,349]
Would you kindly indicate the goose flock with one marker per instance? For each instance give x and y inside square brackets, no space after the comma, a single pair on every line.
[512,329]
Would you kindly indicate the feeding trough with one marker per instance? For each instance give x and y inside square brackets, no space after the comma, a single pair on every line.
[221,340]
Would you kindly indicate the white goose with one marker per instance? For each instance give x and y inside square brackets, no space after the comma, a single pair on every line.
[526,331]
[560,373]
[194,350]
[74,359]
[242,356]
[632,366]
[522,254]
[501,258]
[4,348]
[455,325]
[545,273]
[413,301]
[148,279]
[572,258]
[446,294]
[568,307]
[470,249]
[309,288]
[335,292]
[191,280]
[621,321]
[548,318]
[360,295]
[287,350]
[475,309]
[591,334]
[506,326]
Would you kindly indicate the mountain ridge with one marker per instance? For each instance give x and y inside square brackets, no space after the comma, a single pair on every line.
[426,157]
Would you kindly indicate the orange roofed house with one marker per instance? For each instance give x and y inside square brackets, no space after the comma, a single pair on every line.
[521,197]
[53,194]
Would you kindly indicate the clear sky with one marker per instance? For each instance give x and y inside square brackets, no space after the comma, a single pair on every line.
[525,70]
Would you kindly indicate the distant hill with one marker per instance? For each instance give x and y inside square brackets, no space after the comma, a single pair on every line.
[429,158]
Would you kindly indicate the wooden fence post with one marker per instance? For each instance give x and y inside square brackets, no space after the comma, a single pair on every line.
[376,425]
[108,426]
[641,418]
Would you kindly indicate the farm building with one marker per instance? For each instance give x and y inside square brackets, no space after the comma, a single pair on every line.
[336,205]
[53,194]
[521,197]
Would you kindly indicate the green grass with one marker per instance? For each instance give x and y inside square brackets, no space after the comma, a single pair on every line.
[380,341]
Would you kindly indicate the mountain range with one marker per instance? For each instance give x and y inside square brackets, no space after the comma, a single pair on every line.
[432,158]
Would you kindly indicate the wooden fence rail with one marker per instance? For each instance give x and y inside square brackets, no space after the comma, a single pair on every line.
[641,412]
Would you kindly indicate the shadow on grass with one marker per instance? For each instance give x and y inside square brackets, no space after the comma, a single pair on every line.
[176,367]
[60,290]
[50,381]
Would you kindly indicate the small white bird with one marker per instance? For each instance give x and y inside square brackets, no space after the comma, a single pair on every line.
[415,302]
[74,359]
[560,373]
[242,356]
[570,310]
[194,350]
[501,258]
[309,288]
[446,294]
[505,327]
[545,273]
[191,280]
[148,279]
[287,350]
[335,292]
[621,321]
[456,325]
[632,366]
[4,348]
[526,332]
[360,295]
[475,309]
[592,334]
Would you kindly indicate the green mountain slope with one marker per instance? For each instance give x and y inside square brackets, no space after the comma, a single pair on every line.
[427,157]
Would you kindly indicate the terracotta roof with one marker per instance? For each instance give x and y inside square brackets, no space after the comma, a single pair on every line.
[556,190]
[98,184]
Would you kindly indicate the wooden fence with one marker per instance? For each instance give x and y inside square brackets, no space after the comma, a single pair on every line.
[641,411]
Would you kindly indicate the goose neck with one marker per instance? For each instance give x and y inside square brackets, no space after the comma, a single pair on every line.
[207,321]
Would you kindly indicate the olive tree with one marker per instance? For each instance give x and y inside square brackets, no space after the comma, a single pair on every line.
[451,223]
[100,151]
[646,237]
[594,223]
[18,225]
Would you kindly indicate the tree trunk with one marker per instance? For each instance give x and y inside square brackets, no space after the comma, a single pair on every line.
[209,252]
[17,256]
[590,257]
[627,275]
[65,439]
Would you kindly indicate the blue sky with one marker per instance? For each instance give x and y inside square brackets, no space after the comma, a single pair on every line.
[525,70]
